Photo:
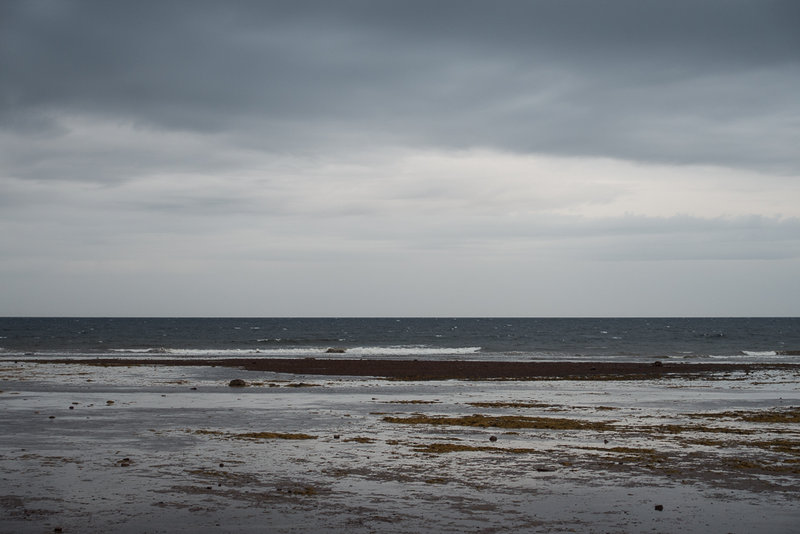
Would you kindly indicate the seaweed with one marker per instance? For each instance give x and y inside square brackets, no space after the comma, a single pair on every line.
[359,439]
[506,421]
[787,415]
[252,436]
[501,404]
[441,448]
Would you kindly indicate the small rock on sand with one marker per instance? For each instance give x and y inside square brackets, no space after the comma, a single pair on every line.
[237,383]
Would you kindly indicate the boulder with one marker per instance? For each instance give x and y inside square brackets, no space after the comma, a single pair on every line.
[237,383]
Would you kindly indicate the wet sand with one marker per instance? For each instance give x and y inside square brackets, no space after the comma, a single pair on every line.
[336,445]
[448,369]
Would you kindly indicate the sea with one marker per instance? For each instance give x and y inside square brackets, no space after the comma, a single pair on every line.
[717,339]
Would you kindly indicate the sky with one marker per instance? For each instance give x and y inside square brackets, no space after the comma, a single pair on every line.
[400,158]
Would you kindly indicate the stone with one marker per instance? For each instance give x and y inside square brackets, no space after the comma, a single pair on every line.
[334,350]
[492,438]
[659,507]
[237,383]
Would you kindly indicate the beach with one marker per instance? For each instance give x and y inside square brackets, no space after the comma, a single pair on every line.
[170,446]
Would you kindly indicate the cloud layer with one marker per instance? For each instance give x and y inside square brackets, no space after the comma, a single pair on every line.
[407,158]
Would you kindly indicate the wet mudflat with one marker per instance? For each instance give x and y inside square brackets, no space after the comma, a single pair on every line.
[176,449]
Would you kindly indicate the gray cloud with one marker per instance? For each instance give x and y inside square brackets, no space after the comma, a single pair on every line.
[677,82]
[380,158]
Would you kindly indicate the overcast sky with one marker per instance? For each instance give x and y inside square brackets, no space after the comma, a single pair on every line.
[406,158]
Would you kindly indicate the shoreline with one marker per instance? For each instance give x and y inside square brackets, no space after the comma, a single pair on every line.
[441,369]
[134,445]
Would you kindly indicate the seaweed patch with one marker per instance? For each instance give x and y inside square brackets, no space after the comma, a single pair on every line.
[253,436]
[505,421]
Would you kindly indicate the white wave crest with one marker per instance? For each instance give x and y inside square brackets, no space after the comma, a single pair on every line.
[759,353]
[414,350]
[295,352]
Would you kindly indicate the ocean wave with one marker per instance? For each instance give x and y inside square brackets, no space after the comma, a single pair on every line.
[398,351]
[294,352]
[416,350]
[289,341]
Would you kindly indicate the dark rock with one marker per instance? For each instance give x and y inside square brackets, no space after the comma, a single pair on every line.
[658,363]
[336,436]
[237,383]
[222,465]
[193,389]
[334,350]
[659,507]
[492,438]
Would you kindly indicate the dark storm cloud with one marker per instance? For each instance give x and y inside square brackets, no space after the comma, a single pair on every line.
[676,82]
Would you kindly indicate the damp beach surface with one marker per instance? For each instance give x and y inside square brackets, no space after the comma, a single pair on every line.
[149,447]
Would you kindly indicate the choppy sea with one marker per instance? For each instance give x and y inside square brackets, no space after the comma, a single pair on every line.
[619,339]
